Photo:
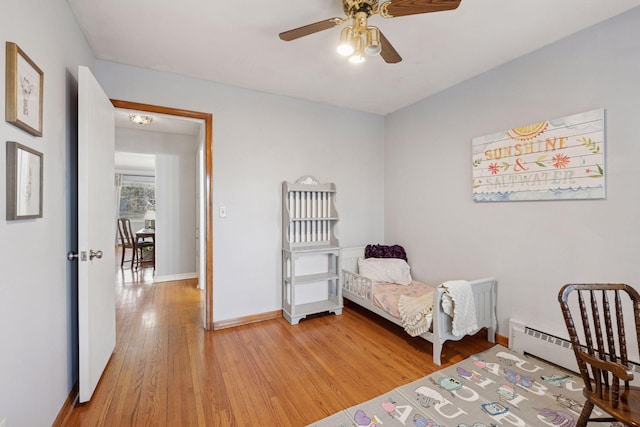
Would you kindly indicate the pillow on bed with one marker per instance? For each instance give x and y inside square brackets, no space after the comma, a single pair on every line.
[388,270]
[385,251]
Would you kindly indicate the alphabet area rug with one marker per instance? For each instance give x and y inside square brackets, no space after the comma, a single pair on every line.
[494,388]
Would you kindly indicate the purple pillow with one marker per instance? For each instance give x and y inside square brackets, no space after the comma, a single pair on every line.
[385,251]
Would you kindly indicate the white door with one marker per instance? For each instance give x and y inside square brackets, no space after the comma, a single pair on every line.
[96,232]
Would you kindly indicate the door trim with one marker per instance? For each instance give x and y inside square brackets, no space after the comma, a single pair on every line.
[208,120]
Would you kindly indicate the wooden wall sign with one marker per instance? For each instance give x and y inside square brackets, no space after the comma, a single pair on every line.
[550,160]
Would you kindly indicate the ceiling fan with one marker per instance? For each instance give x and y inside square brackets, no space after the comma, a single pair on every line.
[358,38]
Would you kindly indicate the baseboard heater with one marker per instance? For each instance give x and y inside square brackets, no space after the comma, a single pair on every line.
[526,340]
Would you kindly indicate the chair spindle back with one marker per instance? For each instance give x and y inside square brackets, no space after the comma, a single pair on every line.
[602,337]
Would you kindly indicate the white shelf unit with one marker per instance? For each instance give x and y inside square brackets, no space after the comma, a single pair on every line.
[310,250]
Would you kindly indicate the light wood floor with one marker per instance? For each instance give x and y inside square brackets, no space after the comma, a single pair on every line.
[168,371]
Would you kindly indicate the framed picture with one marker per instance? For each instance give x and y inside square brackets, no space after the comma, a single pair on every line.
[24,85]
[24,182]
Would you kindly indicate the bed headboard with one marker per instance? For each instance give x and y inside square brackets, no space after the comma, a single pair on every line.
[350,258]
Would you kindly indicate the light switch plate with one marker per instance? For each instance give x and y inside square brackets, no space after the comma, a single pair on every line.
[222,213]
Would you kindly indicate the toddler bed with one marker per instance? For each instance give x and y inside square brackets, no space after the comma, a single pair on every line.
[423,310]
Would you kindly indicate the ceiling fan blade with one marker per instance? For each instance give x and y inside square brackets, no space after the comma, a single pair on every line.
[310,29]
[388,52]
[413,7]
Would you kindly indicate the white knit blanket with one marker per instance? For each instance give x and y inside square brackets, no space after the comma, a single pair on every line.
[416,313]
[457,302]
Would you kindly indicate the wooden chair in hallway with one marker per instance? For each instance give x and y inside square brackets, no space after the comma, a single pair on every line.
[600,345]
[129,241]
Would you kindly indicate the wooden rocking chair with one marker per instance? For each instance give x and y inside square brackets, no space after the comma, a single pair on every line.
[600,347]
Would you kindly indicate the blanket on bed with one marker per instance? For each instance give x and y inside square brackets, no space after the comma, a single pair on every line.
[458,302]
[416,313]
[494,388]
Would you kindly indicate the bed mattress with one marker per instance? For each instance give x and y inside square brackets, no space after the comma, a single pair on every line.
[387,295]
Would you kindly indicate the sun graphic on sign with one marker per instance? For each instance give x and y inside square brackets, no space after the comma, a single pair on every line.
[525,133]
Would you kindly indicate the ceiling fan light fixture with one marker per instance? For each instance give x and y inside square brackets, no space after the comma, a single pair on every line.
[373,46]
[141,119]
[345,47]
[358,54]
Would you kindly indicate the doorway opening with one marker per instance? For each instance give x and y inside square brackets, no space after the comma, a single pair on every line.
[207,213]
[135,195]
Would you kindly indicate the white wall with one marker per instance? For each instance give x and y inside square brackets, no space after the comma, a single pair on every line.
[175,195]
[533,248]
[259,140]
[175,214]
[38,309]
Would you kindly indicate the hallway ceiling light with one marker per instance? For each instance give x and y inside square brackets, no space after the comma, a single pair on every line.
[141,119]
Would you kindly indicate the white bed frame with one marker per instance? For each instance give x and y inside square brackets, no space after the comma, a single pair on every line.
[358,289]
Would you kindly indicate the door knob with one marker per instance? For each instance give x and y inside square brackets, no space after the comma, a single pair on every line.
[95,254]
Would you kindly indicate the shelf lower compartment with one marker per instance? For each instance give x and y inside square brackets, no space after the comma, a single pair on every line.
[301,311]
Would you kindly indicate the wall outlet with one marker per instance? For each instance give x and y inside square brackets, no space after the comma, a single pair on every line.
[3,422]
